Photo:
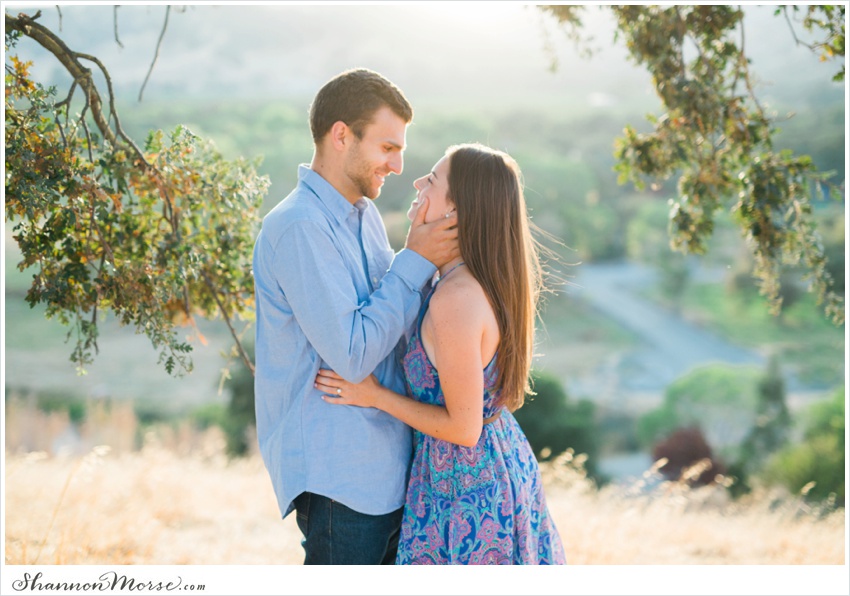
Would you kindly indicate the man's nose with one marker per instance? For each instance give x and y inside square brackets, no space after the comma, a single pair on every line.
[396,163]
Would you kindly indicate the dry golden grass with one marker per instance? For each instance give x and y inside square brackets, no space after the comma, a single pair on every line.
[677,525]
[156,507]
[151,507]
[179,500]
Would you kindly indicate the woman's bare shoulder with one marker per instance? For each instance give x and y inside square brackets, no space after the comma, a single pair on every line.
[460,300]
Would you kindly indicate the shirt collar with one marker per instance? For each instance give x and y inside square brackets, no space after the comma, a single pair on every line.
[329,196]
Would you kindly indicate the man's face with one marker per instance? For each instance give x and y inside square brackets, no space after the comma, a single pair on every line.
[378,154]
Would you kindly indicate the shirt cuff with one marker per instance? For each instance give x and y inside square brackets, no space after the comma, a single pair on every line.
[414,269]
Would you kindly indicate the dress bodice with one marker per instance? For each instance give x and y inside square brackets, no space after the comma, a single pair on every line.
[423,380]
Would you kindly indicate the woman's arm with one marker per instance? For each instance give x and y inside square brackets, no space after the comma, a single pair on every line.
[456,321]
[427,418]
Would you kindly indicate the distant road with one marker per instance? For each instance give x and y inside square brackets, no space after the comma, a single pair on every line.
[669,345]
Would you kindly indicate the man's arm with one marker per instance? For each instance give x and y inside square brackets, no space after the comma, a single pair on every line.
[350,336]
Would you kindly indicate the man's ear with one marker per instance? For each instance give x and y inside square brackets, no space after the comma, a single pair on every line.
[340,135]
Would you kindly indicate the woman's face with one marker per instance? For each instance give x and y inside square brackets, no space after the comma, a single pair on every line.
[435,187]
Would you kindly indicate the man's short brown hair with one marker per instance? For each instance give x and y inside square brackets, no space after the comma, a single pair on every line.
[353,97]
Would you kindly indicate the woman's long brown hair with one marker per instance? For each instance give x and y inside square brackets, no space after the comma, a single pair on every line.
[494,234]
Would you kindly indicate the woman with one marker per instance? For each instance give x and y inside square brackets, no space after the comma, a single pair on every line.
[475,495]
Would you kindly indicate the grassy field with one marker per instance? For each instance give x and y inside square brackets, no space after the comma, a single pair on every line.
[159,508]
[179,501]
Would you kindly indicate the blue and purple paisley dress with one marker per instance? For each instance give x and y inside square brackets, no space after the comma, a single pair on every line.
[473,505]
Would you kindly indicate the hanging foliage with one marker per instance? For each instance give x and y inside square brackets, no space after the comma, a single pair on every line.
[156,236]
[717,139]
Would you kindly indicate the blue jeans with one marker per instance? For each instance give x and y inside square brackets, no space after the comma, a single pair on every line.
[337,535]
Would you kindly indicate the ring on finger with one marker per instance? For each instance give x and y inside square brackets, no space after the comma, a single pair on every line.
[339,391]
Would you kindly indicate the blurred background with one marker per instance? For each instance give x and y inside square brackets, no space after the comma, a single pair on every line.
[643,352]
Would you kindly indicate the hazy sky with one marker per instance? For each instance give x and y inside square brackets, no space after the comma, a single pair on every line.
[433,48]
[454,51]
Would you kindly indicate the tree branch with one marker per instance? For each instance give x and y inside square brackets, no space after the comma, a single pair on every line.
[81,75]
[156,53]
[793,32]
[86,129]
[112,112]
[226,318]
[115,26]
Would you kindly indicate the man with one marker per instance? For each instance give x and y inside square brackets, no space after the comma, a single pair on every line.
[330,293]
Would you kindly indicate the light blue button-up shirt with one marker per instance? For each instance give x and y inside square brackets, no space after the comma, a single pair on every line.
[330,293]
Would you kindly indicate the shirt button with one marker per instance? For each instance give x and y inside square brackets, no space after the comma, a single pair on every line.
[374,280]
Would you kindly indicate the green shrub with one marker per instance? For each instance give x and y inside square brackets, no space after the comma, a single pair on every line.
[815,466]
[209,415]
[616,430]
[773,421]
[553,424]
[720,399]
[239,414]
[656,424]
[819,460]
[150,413]
[769,433]
[56,400]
